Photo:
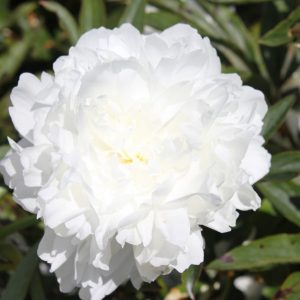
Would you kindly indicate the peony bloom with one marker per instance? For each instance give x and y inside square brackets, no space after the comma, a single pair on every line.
[133,144]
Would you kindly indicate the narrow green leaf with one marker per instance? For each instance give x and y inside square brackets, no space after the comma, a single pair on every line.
[17,225]
[10,257]
[66,19]
[235,29]
[3,150]
[238,1]
[19,282]
[276,116]
[280,200]
[36,287]
[293,82]
[4,11]
[190,277]
[164,288]
[285,162]
[92,15]
[235,60]
[279,35]
[3,191]
[161,19]
[19,15]
[240,37]
[290,289]
[134,14]
[249,46]
[115,16]
[290,187]
[12,59]
[194,15]
[267,208]
[262,253]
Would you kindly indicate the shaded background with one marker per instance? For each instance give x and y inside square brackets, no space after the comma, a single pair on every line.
[259,40]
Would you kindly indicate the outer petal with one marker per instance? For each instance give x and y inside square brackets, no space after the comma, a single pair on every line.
[257,161]
[25,96]
[192,254]
[23,171]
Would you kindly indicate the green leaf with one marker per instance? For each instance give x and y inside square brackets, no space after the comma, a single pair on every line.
[164,288]
[267,208]
[239,1]
[279,35]
[12,59]
[3,191]
[17,225]
[292,188]
[36,287]
[235,60]
[19,282]
[262,253]
[190,277]
[195,15]
[161,19]
[3,150]
[235,29]
[284,163]
[249,45]
[92,15]
[293,82]
[40,50]
[115,16]
[66,19]
[10,257]
[280,200]
[4,11]
[290,289]
[134,14]
[19,15]
[276,116]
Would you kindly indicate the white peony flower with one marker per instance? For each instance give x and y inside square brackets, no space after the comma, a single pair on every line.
[132,145]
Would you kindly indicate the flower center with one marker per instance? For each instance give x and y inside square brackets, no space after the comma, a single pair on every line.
[125,158]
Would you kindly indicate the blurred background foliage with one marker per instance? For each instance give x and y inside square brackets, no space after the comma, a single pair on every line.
[259,40]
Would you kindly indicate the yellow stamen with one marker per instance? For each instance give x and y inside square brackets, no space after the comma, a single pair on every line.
[141,158]
[125,158]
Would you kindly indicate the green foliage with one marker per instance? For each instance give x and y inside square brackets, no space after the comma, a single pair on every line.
[262,253]
[17,226]
[259,40]
[134,14]
[36,287]
[285,163]
[280,200]
[290,289]
[92,15]
[3,150]
[66,20]
[12,59]
[281,33]
[238,1]
[10,257]
[190,279]
[276,116]
[19,282]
